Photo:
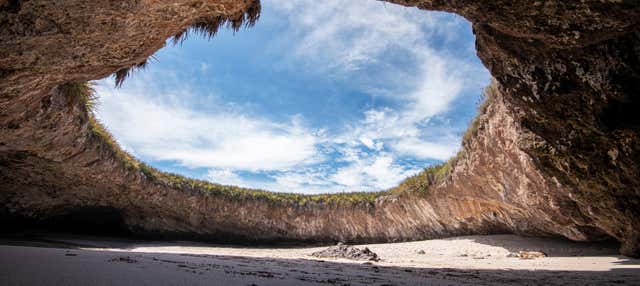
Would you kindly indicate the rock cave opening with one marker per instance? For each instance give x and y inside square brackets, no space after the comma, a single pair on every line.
[307,101]
[555,151]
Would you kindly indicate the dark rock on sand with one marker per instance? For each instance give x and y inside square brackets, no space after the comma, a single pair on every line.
[347,252]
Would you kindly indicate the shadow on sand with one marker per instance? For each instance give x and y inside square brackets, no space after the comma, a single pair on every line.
[65,261]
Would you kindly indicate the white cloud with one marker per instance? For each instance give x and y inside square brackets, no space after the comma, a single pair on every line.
[426,150]
[224,177]
[350,34]
[369,174]
[367,142]
[204,67]
[157,129]
[441,83]
[352,39]
[346,36]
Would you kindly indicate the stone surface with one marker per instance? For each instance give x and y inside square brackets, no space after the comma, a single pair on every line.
[347,252]
[555,153]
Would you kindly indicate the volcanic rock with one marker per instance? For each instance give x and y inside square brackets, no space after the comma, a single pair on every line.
[347,252]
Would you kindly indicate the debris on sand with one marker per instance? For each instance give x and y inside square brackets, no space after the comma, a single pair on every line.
[347,252]
[421,252]
[527,254]
[125,259]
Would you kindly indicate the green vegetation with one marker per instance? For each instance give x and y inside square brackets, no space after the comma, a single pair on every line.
[419,183]
[209,26]
[83,91]
[487,96]
[124,73]
[106,141]
[232,192]
[429,177]
[436,174]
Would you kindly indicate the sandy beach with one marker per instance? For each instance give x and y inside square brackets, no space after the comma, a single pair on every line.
[470,260]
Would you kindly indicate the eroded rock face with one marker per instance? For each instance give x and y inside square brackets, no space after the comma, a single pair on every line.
[556,151]
[569,72]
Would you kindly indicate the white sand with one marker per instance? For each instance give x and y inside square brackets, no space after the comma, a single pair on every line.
[473,260]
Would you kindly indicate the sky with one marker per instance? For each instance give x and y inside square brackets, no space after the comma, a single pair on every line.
[345,96]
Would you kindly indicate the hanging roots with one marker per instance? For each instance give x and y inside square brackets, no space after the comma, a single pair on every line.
[209,26]
[206,26]
[123,73]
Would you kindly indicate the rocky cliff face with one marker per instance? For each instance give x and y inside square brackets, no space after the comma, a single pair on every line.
[569,72]
[556,151]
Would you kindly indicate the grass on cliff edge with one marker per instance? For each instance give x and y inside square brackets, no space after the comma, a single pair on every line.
[419,183]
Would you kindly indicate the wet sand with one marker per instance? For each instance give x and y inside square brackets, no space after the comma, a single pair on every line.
[470,260]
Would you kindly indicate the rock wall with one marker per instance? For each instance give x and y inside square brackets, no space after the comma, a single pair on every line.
[556,152]
[569,70]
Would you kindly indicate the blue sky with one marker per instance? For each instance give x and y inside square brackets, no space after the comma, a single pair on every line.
[345,96]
